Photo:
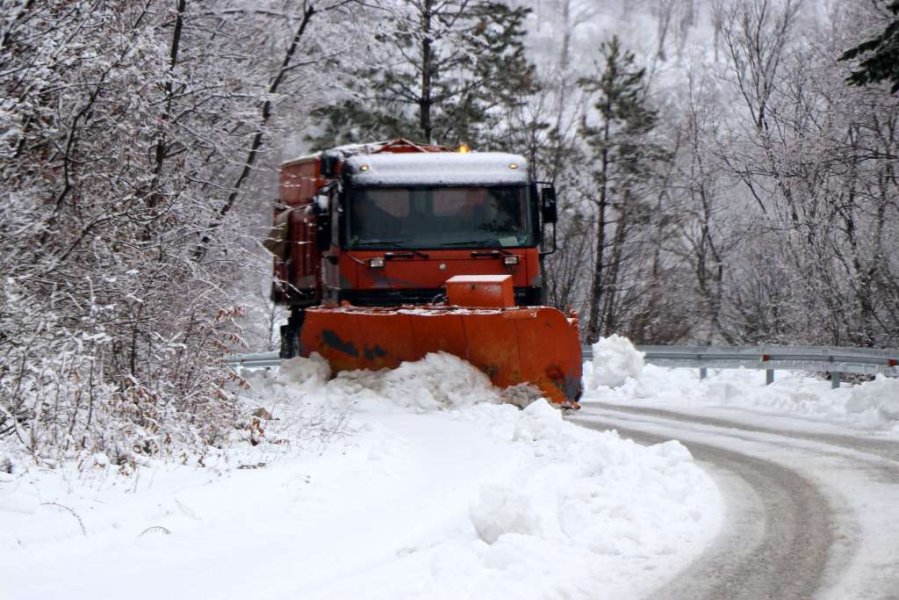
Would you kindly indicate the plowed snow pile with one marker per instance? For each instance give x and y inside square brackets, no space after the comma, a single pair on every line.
[413,483]
[618,374]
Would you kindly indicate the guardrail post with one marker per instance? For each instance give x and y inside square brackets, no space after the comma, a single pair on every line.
[835,360]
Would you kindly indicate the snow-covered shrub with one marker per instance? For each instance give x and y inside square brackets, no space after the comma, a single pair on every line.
[68,393]
[126,143]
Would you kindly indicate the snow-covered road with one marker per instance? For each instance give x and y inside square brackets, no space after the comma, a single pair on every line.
[812,509]
[421,483]
[412,483]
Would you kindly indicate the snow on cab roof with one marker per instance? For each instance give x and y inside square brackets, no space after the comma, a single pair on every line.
[437,168]
[348,150]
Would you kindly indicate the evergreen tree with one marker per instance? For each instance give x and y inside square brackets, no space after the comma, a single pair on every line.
[881,55]
[443,71]
[624,156]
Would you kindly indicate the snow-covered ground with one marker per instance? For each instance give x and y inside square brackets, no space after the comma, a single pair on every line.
[413,483]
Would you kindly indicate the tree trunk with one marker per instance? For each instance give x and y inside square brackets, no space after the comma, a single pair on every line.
[609,322]
[203,247]
[425,101]
[160,153]
[593,320]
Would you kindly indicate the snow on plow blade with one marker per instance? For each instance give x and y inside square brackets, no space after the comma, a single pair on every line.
[536,345]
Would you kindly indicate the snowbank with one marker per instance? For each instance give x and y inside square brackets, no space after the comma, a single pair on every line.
[618,374]
[413,483]
[615,361]
[878,398]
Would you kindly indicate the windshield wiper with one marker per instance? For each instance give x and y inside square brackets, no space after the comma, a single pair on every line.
[472,243]
[380,243]
[407,252]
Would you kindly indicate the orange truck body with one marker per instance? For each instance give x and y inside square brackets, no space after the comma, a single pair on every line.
[454,267]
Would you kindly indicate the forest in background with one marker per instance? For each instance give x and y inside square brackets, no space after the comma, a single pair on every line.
[721,182]
[753,200]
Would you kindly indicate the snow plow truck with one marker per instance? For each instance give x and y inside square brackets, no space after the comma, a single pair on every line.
[385,252]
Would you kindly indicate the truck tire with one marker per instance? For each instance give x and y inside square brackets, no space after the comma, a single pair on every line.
[290,334]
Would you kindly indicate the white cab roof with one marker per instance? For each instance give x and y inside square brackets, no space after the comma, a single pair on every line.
[438,168]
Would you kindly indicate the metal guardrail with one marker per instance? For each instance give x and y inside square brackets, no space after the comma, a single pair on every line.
[257,360]
[831,359]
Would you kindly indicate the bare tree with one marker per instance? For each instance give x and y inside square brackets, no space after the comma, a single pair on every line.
[121,131]
[812,158]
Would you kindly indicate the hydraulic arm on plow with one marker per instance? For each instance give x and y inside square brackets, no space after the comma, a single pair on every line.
[385,252]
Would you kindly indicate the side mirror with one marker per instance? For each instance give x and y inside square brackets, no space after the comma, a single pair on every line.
[322,222]
[328,164]
[548,209]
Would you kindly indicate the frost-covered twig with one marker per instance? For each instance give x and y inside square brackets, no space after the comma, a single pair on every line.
[70,511]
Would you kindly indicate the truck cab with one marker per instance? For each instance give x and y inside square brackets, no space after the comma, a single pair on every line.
[405,223]
[387,252]
[388,224]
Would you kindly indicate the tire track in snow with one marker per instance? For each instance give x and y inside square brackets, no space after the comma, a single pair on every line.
[779,532]
[858,475]
[887,449]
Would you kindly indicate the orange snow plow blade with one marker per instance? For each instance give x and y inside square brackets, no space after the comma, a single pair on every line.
[535,345]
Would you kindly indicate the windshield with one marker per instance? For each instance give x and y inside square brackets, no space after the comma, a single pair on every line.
[440,217]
